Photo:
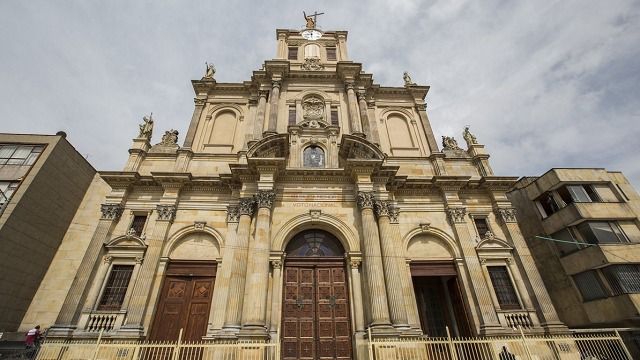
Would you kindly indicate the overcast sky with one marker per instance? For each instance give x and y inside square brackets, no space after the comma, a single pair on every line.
[542,83]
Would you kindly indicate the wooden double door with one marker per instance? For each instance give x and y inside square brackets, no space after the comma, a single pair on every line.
[315,316]
[185,301]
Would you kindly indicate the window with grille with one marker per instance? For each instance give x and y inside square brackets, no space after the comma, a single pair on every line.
[15,154]
[334,116]
[503,287]
[482,226]
[293,53]
[292,115]
[623,279]
[589,285]
[116,288]
[331,54]
[138,224]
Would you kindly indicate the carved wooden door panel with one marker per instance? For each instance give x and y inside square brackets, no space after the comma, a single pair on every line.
[333,323]
[198,311]
[298,315]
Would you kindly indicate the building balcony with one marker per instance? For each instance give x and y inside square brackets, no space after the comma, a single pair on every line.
[620,310]
[96,321]
[576,212]
[592,257]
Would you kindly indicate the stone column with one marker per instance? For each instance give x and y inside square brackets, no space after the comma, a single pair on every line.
[239,265]
[274,98]
[262,107]
[276,297]
[488,315]
[364,117]
[373,262]
[251,123]
[527,266]
[354,117]
[356,286]
[76,295]
[142,287]
[195,119]
[254,310]
[389,240]
[375,134]
[223,275]
[409,295]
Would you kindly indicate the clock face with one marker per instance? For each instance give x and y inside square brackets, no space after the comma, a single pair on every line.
[311,34]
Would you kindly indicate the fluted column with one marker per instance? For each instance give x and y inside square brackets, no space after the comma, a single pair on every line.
[488,315]
[76,295]
[389,240]
[254,310]
[239,265]
[356,286]
[223,275]
[364,117]
[409,295]
[274,98]
[528,267]
[354,117]
[262,107]
[142,287]
[373,262]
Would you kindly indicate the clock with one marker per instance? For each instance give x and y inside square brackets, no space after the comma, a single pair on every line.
[311,34]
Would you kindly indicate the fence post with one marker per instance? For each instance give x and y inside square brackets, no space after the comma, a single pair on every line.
[370,345]
[524,343]
[624,346]
[176,352]
[452,348]
[95,353]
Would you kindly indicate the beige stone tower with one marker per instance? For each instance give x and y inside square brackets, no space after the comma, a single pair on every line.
[305,206]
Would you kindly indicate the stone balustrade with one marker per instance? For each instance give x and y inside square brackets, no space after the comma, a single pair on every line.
[107,321]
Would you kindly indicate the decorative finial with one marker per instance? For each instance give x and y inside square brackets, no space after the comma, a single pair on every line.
[146,128]
[469,137]
[209,71]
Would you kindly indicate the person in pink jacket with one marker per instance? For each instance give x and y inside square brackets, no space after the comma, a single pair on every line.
[33,337]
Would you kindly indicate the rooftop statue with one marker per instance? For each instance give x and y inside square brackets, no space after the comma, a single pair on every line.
[209,72]
[449,143]
[469,137]
[311,19]
[146,128]
[170,137]
[407,79]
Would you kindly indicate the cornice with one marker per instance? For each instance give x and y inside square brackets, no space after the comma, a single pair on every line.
[119,179]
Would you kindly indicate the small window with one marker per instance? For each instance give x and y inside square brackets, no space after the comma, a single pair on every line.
[331,54]
[624,279]
[293,53]
[601,232]
[547,204]
[481,226]
[503,287]
[334,116]
[311,51]
[589,285]
[292,115]
[116,288]
[313,156]
[138,224]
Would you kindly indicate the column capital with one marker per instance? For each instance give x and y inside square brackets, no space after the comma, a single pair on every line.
[263,93]
[361,95]
[348,85]
[456,214]
[507,214]
[381,207]
[233,214]
[111,211]
[246,206]
[166,212]
[276,84]
[264,198]
[394,212]
[421,107]
[276,263]
[365,200]
[354,263]
[199,102]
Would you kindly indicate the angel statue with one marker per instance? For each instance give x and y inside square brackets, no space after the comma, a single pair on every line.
[146,128]
[311,22]
[210,71]
[469,137]
[407,79]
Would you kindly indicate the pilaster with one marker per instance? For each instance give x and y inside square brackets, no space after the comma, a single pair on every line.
[274,98]
[200,102]
[354,116]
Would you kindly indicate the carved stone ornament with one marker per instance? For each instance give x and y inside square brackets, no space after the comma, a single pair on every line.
[170,138]
[488,236]
[365,200]
[361,96]
[456,214]
[276,263]
[146,128]
[425,227]
[107,259]
[166,212]
[131,232]
[315,214]
[449,143]
[246,206]
[381,207]
[394,212]
[313,108]
[355,263]
[199,102]
[199,225]
[111,211]
[421,107]
[276,84]
[233,213]
[312,64]
[469,137]
[264,198]
[508,215]
[139,260]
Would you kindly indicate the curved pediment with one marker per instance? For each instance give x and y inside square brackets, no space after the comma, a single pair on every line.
[129,241]
[358,148]
[274,146]
[493,243]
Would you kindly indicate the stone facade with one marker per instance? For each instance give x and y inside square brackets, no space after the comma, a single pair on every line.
[43,180]
[592,275]
[304,148]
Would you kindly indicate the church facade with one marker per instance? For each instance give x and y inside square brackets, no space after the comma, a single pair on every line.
[307,205]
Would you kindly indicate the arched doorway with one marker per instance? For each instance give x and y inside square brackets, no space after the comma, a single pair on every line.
[315,319]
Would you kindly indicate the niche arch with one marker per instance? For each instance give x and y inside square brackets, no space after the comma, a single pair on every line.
[204,243]
[316,220]
[430,244]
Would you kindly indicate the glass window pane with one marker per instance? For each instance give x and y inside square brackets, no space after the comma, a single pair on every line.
[578,193]
[503,287]
[313,157]
[589,285]
[566,248]
[624,279]
[314,243]
[7,150]
[31,159]
[565,195]
[116,287]
[603,232]
[481,226]
[15,161]
[22,152]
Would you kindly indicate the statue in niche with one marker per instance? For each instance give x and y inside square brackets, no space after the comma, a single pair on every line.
[146,128]
[170,138]
[313,156]
[469,137]
[449,143]
[407,79]
[209,71]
